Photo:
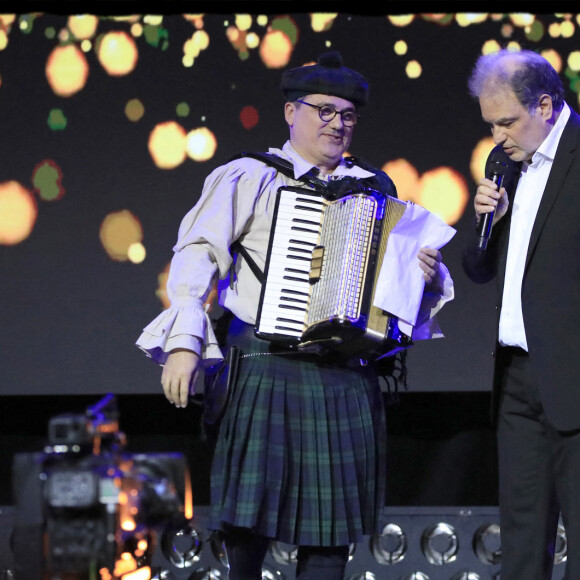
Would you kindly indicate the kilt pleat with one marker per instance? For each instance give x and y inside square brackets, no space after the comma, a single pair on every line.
[301,453]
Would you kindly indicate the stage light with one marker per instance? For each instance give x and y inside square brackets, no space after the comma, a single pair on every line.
[425,543]
[182,545]
[284,553]
[487,544]
[391,546]
[270,573]
[561,551]
[440,544]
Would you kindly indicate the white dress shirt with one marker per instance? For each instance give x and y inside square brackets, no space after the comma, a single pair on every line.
[526,201]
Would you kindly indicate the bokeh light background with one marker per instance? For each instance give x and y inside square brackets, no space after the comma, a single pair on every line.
[109,124]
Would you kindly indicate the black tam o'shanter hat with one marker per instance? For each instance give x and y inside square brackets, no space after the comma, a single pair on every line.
[328,77]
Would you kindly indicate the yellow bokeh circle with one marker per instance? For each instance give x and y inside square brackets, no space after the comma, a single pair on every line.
[117,53]
[201,144]
[66,70]
[167,145]
[121,234]
[18,212]
[275,49]
[443,192]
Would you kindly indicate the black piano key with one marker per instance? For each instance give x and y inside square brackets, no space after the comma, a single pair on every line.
[296,271]
[303,242]
[288,307]
[289,320]
[299,229]
[295,249]
[288,291]
[288,299]
[300,258]
[307,222]
[286,328]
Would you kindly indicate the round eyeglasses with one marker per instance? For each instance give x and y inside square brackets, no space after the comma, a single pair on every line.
[328,112]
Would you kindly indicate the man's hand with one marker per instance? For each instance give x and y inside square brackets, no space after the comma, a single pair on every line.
[429,262]
[179,376]
[488,198]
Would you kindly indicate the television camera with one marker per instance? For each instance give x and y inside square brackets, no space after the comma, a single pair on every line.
[87,509]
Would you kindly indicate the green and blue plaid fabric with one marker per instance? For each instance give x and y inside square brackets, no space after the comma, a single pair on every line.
[301,454]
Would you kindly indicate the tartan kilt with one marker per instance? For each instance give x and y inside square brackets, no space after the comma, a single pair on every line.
[301,452]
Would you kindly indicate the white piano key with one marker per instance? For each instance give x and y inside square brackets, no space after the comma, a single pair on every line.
[270,327]
[288,232]
[284,276]
[274,309]
[277,298]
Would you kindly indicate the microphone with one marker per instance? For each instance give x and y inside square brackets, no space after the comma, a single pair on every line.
[495,170]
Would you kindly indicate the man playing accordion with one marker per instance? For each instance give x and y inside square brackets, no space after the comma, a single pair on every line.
[300,456]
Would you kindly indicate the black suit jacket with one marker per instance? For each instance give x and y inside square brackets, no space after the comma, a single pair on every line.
[551,283]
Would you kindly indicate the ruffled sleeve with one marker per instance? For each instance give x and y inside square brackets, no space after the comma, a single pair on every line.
[185,326]
[202,253]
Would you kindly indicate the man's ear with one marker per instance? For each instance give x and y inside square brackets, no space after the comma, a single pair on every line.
[289,110]
[546,106]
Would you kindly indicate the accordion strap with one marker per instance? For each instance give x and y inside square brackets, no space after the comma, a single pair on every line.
[380,181]
[285,167]
[332,189]
[237,247]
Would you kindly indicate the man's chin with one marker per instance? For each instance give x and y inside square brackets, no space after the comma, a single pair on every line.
[515,154]
[333,159]
[335,149]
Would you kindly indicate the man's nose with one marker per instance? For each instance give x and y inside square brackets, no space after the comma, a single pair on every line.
[498,135]
[336,122]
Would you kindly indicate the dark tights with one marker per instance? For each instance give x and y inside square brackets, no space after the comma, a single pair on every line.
[246,552]
[315,562]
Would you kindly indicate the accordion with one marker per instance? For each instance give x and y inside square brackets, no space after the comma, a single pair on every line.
[322,267]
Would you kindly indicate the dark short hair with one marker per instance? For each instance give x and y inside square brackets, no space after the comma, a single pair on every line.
[532,77]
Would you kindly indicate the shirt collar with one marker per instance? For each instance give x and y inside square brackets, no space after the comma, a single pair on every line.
[301,166]
[549,145]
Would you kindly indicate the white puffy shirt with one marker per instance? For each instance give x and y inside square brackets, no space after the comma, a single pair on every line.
[237,202]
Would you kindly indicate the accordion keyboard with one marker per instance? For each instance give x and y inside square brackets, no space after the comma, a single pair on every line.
[286,292]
